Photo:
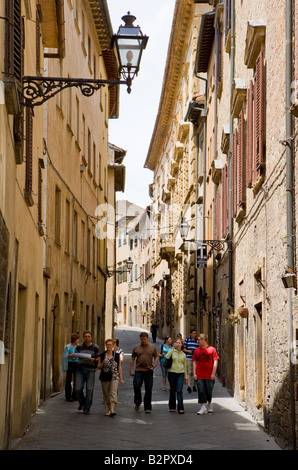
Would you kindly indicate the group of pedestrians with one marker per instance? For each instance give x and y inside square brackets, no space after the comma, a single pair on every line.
[80,362]
[192,357]
[178,362]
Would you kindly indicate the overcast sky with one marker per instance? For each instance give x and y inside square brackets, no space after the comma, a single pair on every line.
[133,130]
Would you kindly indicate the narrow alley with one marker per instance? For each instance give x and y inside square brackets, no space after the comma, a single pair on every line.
[58,425]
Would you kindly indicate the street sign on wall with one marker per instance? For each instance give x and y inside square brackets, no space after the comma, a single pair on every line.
[201,256]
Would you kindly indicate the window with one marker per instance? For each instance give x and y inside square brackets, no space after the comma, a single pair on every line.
[77,129]
[39,204]
[255,142]
[69,107]
[227,7]
[83,135]
[38,36]
[93,256]
[225,201]
[29,157]
[57,215]
[67,225]
[99,169]
[75,236]
[238,158]
[89,150]
[94,160]
[83,261]
[88,249]
[94,67]
[89,52]
[14,40]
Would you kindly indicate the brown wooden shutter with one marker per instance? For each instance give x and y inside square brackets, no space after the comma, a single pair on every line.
[29,151]
[217,214]
[259,112]
[38,48]
[234,179]
[14,42]
[240,162]
[39,195]
[249,137]
[224,201]
[227,7]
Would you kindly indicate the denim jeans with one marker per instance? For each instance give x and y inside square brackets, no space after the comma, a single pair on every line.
[70,392]
[85,376]
[139,378]
[176,388]
[205,388]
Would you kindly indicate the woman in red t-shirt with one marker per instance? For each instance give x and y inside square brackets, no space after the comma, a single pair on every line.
[205,361]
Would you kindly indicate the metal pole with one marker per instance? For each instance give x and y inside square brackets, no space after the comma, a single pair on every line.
[289,182]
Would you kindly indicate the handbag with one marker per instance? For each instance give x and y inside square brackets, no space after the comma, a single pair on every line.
[168,363]
[105,375]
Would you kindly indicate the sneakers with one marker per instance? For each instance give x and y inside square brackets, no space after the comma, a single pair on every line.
[203,410]
[189,389]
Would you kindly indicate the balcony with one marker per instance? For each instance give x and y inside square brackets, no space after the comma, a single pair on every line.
[167,246]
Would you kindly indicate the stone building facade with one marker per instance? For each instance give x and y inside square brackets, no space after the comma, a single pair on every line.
[134,287]
[21,237]
[54,174]
[241,133]
[257,316]
[173,157]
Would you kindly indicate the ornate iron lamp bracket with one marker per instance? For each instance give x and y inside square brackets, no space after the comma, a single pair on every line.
[217,245]
[37,90]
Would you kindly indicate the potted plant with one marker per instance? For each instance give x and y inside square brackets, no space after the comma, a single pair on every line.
[243,312]
[234,318]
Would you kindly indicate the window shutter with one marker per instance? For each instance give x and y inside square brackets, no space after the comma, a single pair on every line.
[38,48]
[249,136]
[217,214]
[227,17]
[14,40]
[29,136]
[259,112]
[224,201]
[234,162]
[240,162]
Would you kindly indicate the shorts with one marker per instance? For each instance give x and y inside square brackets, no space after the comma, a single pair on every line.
[110,391]
[189,365]
[164,371]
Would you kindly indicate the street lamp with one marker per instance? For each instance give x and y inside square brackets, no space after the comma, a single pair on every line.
[184,229]
[129,43]
[128,264]
[289,278]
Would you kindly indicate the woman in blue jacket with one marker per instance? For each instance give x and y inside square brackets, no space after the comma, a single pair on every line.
[69,365]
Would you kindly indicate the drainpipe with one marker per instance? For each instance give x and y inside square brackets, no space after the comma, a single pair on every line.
[289,182]
[230,240]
